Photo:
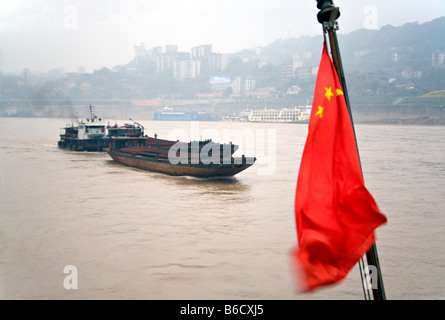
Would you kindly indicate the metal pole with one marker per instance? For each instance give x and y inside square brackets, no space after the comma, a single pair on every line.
[327,17]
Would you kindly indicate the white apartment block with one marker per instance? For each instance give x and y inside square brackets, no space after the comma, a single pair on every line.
[201,51]
[187,69]
[240,85]
[438,59]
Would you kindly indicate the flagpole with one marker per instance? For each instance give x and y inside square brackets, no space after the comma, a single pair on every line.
[328,16]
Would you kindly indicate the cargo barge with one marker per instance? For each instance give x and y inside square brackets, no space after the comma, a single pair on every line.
[203,159]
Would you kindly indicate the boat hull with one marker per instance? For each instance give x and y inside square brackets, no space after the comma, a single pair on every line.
[163,165]
[93,144]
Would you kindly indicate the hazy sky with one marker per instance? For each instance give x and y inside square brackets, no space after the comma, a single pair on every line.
[45,34]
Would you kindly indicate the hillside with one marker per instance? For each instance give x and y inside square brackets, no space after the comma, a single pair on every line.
[386,66]
[413,44]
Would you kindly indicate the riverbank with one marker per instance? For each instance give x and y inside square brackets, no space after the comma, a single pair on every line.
[414,114]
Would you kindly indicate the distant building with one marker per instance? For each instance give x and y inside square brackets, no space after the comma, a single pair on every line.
[145,103]
[287,72]
[290,71]
[404,84]
[294,90]
[303,73]
[68,86]
[379,75]
[220,83]
[201,51]
[85,88]
[438,60]
[165,60]
[26,77]
[171,49]
[206,61]
[264,93]
[187,69]
[164,63]
[410,74]
[209,95]
[156,51]
[243,85]
[211,62]
[216,62]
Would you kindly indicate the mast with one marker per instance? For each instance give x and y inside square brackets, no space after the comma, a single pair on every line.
[91,113]
[328,16]
[93,117]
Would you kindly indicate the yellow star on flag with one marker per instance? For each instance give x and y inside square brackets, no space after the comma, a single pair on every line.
[339,92]
[320,112]
[329,93]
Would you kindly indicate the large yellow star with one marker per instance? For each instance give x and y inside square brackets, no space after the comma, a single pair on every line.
[329,93]
[320,112]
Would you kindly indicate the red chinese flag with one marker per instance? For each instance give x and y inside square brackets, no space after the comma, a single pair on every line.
[335,214]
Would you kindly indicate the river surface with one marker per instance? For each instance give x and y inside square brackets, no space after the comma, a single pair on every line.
[133,234]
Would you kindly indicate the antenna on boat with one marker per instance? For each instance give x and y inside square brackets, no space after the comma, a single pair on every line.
[93,117]
[328,16]
[91,113]
[140,125]
[137,123]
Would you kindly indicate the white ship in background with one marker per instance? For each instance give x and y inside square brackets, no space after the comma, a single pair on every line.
[284,115]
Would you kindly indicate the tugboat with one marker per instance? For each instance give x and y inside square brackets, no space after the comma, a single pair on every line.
[202,159]
[86,136]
